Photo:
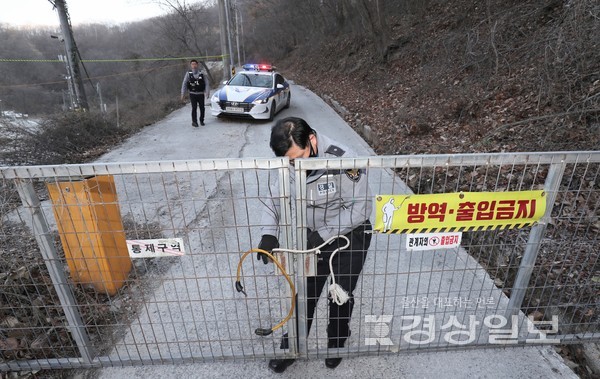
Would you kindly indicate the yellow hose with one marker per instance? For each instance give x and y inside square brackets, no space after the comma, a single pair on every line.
[240,288]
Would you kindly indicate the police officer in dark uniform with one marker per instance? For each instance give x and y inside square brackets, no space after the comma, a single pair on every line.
[339,203]
[196,83]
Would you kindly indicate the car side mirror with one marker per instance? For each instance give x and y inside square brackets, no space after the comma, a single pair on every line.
[225,82]
[280,86]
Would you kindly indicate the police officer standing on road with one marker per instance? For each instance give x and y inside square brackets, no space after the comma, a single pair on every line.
[339,203]
[196,83]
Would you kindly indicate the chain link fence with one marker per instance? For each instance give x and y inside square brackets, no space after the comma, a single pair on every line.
[140,268]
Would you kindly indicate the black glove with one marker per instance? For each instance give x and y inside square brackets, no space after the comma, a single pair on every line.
[267,243]
[314,239]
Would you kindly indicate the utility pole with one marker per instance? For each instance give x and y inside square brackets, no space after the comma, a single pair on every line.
[227,9]
[226,72]
[72,56]
[102,105]
[242,28]
[69,78]
[237,34]
[70,84]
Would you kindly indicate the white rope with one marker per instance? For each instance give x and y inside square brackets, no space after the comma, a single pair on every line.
[337,293]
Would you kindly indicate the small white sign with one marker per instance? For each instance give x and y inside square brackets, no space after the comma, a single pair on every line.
[432,241]
[166,247]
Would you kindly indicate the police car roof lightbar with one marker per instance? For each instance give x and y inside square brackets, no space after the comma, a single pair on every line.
[258,67]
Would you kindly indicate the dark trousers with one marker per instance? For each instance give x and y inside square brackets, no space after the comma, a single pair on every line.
[347,265]
[197,101]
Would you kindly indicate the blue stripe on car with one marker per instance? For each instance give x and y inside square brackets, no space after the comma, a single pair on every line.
[255,96]
[222,95]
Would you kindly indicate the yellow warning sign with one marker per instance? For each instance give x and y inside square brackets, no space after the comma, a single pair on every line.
[461,211]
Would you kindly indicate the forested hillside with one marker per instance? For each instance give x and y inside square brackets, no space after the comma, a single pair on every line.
[450,76]
[136,63]
[413,76]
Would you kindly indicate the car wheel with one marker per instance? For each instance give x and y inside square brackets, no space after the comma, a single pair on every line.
[273,111]
[287,103]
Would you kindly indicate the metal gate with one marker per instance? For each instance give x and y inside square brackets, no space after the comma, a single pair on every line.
[504,287]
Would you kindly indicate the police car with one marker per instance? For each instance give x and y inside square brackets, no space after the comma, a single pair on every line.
[257,91]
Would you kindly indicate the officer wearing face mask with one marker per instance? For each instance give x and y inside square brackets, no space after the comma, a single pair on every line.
[198,87]
[338,203]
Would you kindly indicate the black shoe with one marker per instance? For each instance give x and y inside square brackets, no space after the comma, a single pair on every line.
[279,365]
[332,362]
[335,343]
[195,124]
[202,123]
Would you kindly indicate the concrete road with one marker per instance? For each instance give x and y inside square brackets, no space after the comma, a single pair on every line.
[175,139]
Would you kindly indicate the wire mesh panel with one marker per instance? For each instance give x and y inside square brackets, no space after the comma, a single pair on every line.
[136,263]
[181,305]
[565,283]
[35,325]
[439,299]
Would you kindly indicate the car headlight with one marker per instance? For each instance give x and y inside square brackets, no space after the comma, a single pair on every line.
[261,101]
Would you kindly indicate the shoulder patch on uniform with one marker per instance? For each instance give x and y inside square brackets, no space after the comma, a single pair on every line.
[354,174]
[337,151]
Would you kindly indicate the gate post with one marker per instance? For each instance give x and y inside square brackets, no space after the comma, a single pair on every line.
[43,237]
[551,188]
[286,221]
[300,268]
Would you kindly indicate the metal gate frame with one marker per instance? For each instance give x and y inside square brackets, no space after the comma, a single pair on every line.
[294,234]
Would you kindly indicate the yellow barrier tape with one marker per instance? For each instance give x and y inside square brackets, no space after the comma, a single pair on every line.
[452,212]
[95,77]
[115,60]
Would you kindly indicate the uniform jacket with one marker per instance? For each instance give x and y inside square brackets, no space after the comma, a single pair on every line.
[186,80]
[338,201]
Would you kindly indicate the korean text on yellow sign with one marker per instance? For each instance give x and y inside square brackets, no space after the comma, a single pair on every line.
[458,211]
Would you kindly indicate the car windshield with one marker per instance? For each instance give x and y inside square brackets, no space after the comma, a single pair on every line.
[252,80]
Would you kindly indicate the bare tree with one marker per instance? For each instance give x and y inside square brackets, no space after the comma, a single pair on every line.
[184,24]
[313,21]
[371,14]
